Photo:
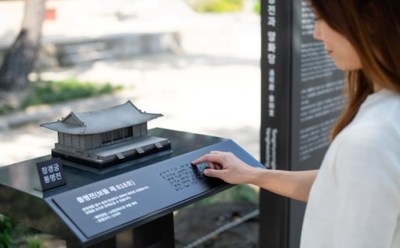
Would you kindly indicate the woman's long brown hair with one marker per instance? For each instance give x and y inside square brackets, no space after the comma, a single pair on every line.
[373,28]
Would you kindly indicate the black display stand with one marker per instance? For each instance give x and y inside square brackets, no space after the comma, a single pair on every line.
[301,99]
[93,207]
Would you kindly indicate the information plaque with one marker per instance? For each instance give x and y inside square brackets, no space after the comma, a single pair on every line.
[132,197]
[301,100]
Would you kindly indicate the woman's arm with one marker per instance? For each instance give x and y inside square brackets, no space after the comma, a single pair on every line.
[226,166]
[293,184]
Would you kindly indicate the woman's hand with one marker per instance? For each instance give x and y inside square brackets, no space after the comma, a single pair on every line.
[226,166]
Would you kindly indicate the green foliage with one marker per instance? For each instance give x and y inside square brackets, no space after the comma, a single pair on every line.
[218,5]
[48,92]
[52,92]
[7,231]
[257,7]
[34,242]
[6,109]
[13,234]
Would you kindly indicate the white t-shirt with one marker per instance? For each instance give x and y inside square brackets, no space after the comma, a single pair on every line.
[355,199]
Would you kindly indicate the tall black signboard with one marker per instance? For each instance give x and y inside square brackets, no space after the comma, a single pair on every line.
[301,99]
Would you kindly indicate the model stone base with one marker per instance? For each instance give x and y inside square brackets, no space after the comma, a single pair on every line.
[114,154]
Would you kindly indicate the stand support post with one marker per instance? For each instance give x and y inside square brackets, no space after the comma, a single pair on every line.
[158,233]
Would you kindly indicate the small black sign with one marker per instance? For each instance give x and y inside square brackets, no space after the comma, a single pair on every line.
[51,173]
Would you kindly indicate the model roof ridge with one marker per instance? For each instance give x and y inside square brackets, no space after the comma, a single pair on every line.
[103,120]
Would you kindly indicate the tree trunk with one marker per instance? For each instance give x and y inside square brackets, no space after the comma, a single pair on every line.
[20,58]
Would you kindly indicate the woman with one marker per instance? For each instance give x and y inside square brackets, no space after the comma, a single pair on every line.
[354,199]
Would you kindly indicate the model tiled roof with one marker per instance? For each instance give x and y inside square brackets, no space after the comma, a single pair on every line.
[105,120]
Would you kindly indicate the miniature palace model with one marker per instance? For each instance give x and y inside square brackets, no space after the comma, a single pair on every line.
[106,137]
